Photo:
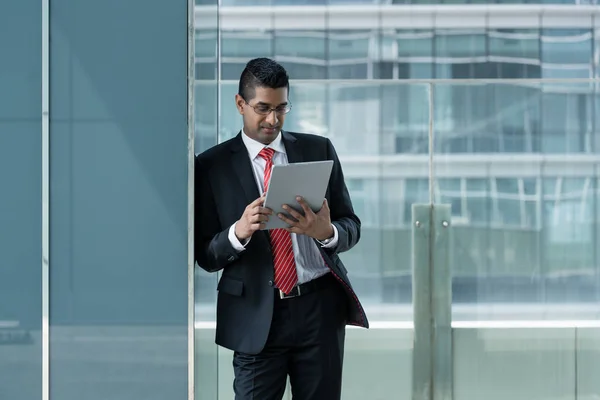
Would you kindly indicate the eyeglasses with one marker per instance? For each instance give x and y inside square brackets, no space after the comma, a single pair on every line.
[264,109]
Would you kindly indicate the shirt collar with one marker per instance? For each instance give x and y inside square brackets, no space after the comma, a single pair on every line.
[254,147]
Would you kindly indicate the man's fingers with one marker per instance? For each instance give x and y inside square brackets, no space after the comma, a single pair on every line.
[264,210]
[304,205]
[258,201]
[286,219]
[258,210]
[259,218]
[293,212]
[324,208]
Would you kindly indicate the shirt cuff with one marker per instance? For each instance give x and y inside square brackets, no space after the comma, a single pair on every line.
[239,246]
[332,241]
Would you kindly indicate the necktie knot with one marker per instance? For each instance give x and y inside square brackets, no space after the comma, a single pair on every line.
[267,153]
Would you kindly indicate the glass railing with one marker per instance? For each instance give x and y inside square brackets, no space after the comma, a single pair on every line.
[518,163]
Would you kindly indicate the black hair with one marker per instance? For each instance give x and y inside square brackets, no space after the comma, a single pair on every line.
[262,72]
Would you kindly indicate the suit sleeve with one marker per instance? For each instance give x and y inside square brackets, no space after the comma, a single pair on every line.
[343,217]
[212,248]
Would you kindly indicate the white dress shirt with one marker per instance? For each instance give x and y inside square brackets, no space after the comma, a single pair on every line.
[309,263]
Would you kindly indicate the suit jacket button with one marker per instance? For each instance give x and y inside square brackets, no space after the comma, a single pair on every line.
[231,258]
[270,283]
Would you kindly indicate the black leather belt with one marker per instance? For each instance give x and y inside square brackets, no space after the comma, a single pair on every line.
[308,287]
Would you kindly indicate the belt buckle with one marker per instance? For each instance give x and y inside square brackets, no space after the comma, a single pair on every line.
[292,294]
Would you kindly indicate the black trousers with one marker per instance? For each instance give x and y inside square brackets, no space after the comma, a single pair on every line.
[306,342]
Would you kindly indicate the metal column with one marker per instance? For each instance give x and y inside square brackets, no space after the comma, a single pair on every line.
[432,302]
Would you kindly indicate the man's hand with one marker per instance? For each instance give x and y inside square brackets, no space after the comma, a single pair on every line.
[317,225]
[253,219]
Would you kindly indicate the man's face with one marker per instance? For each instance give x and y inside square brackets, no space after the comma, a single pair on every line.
[261,122]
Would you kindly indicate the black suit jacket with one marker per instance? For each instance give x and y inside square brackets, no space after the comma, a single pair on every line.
[224,186]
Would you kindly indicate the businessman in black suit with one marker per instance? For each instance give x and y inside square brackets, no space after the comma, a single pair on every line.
[284,297]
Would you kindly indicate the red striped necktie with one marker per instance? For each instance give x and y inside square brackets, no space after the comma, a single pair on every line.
[286,276]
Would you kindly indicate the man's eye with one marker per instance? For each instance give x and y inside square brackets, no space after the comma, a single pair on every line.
[263,109]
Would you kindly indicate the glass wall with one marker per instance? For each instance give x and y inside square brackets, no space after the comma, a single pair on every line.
[524,263]
[21,191]
[485,52]
[351,86]
[206,128]
[515,156]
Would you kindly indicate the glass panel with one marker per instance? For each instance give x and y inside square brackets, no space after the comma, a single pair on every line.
[206,102]
[118,201]
[597,48]
[414,53]
[238,47]
[20,201]
[525,227]
[302,53]
[349,53]
[514,53]
[459,54]
[525,234]
[596,121]
[354,118]
[404,124]
[566,53]
[568,119]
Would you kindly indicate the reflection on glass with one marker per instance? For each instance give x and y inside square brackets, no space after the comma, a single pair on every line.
[349,53]
[566,53]
[400,53]
[238,47]
[302,53]
[525,230]
[516,163]
[525,221]
[509,213]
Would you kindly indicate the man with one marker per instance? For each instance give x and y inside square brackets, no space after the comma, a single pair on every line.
[284,296]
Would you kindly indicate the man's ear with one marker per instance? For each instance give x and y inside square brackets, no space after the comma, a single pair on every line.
[239,103]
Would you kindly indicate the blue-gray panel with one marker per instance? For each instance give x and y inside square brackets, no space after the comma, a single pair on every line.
[118,199]
[20,60]
[20,260]
[20,200]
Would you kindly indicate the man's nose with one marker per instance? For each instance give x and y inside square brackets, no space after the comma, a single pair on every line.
[272,118]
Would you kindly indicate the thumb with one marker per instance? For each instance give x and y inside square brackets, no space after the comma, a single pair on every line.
[325,206]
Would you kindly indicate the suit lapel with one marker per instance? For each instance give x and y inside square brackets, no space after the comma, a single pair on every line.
[292,148]
[243,169]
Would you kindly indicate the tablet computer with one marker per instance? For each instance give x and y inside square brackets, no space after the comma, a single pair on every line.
[306,179]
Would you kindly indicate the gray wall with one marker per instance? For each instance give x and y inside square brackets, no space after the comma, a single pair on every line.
[118,199]
[118,177]
[20,194]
